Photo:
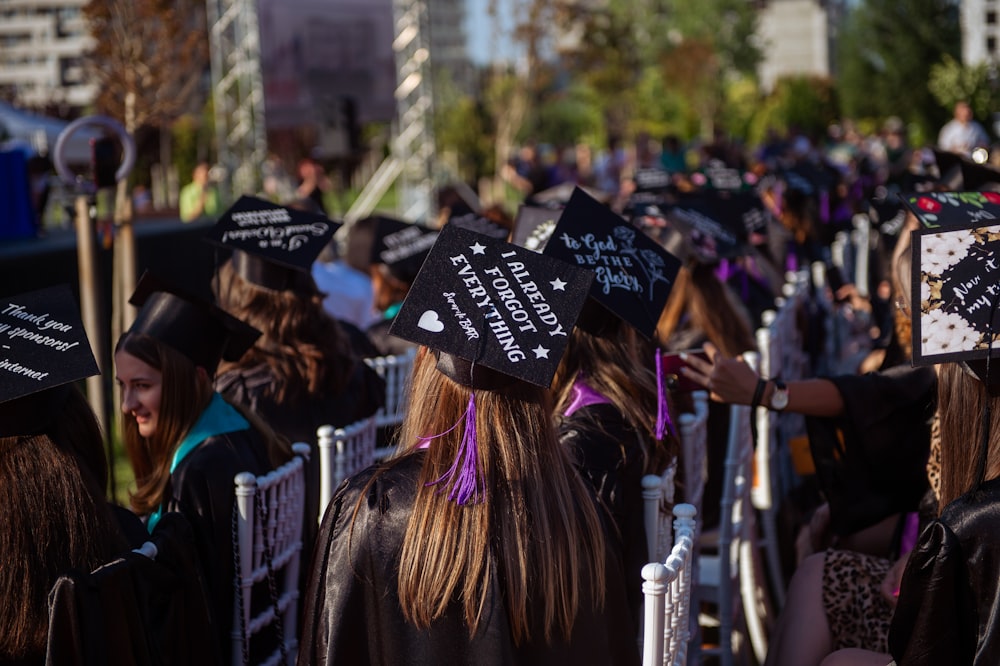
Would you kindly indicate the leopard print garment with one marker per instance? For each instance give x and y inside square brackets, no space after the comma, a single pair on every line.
[857,613]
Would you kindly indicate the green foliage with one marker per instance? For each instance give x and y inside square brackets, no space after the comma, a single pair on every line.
[806,104]
[951,82]
[886,54]
[185,146]
[569,116]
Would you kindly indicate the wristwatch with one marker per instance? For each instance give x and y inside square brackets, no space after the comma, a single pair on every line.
[779,398]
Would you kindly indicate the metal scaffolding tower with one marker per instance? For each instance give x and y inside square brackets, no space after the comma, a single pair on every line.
[234,40]
[413,149]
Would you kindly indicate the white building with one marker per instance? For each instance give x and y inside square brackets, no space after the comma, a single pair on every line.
[41,48]
[980,31]
[797,37]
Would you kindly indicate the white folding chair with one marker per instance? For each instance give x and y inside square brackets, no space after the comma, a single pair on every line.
[667,590]
[726,578]
[658,492]
[270,514]
[342,453]
[395,370]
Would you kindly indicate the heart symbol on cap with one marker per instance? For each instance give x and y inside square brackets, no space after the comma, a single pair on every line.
[429,322]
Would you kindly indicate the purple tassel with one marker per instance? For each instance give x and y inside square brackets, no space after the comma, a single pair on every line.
[663,422]
[468,487]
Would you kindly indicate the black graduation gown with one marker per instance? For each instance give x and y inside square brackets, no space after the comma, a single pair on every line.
[135,611]
[878,467]
[949,597]
[352,613]
[202,488]
[608,453]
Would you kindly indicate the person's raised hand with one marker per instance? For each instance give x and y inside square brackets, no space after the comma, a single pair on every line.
[728,379]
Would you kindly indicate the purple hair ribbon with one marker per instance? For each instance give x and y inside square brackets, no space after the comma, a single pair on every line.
[663,422]
[468,487]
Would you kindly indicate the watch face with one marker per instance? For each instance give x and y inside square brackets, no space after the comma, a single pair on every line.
[779,399]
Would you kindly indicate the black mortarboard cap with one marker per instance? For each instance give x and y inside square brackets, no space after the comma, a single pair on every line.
[949,167]
[494,305]
[401,247]
[479,224]
[711,227]
[980,177]
[271,242]
[533,226]
[952,209]
[633,274]
[652,180]
[43,347]
[189,325]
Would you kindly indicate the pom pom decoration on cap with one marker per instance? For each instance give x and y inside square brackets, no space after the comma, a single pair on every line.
[43,348]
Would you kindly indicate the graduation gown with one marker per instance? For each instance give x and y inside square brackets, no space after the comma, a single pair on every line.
[875,466]
[949,597]
[202,488]
[608,454]
[352,613]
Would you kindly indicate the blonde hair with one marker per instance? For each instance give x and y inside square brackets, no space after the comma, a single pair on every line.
[711,308]
[536,530]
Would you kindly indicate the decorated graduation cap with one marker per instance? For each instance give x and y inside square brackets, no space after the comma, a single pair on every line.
[652,180]
[272,244]
[493,313]
[633,274]
[479,224]
[493,304]
[401,247]
[937,210]
[43,348]
[202,332]
[717,175]
[533,227]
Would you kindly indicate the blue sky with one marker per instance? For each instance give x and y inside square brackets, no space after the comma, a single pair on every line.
[488,41]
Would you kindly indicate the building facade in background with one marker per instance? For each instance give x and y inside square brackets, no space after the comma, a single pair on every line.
[41,48]
[980,31]
[798,37]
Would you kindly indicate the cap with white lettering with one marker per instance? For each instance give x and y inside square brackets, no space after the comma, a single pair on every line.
[42,347]
[271,243]
[494,305]
[633,274]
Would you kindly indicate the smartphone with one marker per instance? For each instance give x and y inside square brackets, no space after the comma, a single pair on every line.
[672,364]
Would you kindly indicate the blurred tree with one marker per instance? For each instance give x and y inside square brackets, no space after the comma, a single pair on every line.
[951,82]
[886,59]
[805,104]
[148,59]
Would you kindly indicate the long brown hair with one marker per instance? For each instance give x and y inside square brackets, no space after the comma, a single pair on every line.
[303,346]
[184,396]
[710,308]
[54,519]
[961,401]
[537,530]
[614,365]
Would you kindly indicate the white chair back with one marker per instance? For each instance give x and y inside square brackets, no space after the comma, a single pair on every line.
[694,449]
[667,590]
[395,370]
[270,514]
[343,452]
[657,500]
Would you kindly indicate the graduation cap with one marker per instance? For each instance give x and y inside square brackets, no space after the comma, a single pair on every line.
[808,178]
[952,209]
[479,224]
[949,167]
[707,228]
[559,195]
[272,244]
[196,328]
[652,180]
[979,177]
[491,304]
[401,247]
[719,176]
[43,347]
[533,227]
[633,274]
